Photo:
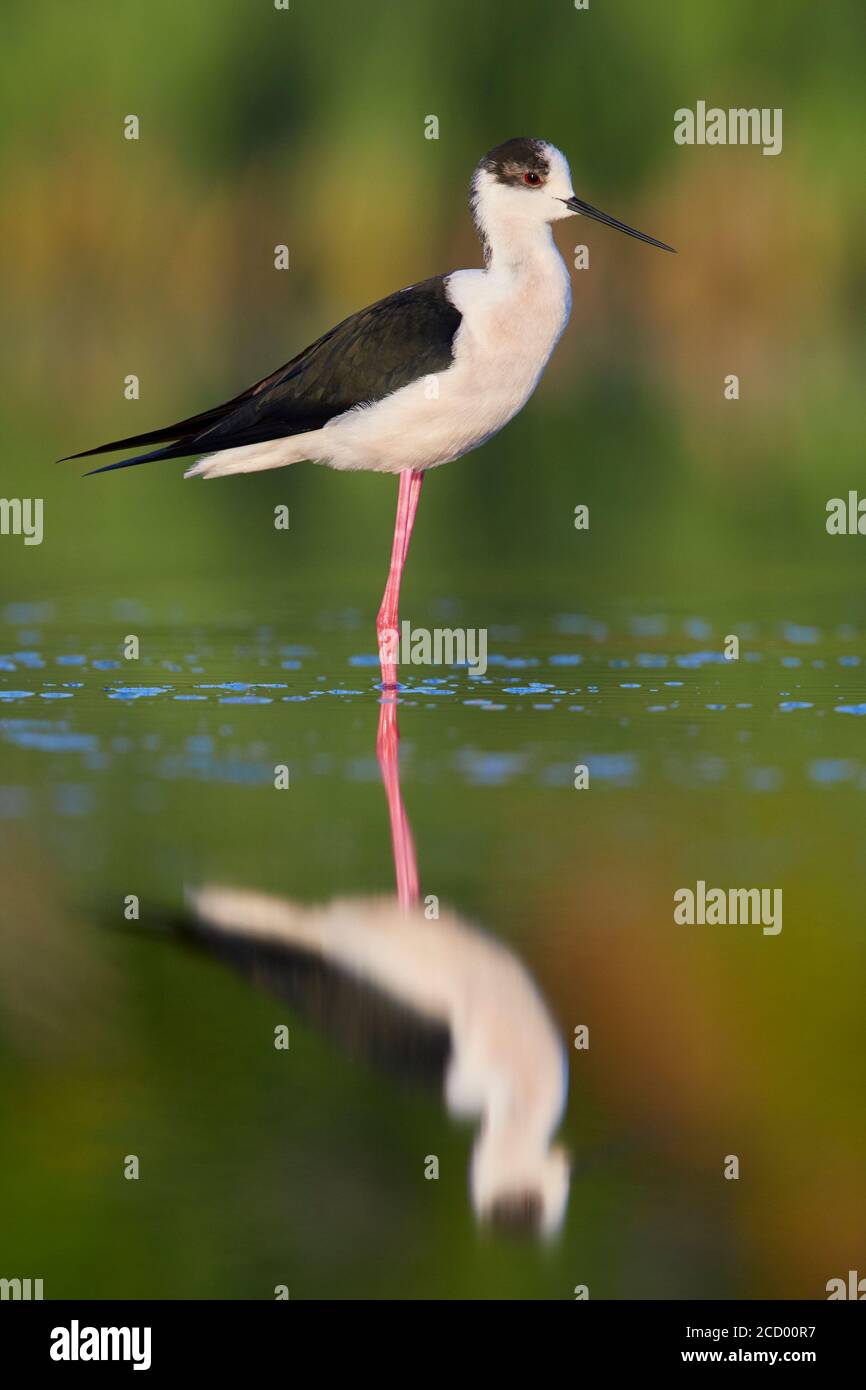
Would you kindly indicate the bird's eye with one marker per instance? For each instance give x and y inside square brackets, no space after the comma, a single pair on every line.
[533,180]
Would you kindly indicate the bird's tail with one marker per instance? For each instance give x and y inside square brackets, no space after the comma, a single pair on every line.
[239,912]
[254,458]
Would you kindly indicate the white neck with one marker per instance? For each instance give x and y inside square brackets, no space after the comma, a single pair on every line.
[513,246]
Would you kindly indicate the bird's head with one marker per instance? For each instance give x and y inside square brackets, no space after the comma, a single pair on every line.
[527,182]
[519,1183]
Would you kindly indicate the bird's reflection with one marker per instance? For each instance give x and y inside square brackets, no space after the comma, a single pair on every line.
[389,980]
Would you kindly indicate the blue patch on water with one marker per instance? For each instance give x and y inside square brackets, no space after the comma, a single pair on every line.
[850,709]
[17,613]
[242,686]
[490,769]
[10,695]
[246,700]
[618,768]
[849,660]
[364,659]
[798,632]
[566,659]
[73,800]
[534,688]
[788,705]
[827,771]
[649,625]
[200,743]
[135,692]
[694,660]
[578,623]
[51,741]
[429,688]
[764,779]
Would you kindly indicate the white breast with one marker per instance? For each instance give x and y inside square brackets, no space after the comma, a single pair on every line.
[512,319]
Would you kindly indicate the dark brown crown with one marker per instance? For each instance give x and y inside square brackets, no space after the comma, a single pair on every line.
[517,1213]
[510,161]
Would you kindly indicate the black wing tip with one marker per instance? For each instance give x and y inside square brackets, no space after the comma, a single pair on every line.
[103,449]
[170,451]
[106,468]
[85,453]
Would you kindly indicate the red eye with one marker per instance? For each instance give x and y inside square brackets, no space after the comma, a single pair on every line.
[533,180]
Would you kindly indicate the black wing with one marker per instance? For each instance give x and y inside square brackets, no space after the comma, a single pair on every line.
[359,1017]
[392,343]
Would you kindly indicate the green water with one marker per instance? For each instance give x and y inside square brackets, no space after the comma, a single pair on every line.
[306,1167]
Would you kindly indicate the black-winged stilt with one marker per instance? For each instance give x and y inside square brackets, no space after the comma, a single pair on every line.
[383,977]
[461,995]
[419,378]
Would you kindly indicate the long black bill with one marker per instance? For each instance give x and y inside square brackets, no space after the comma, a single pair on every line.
[578,205]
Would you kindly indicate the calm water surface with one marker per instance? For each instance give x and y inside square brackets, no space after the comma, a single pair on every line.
[306,1167]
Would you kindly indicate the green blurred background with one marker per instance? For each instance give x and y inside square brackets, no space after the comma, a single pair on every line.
[156,257]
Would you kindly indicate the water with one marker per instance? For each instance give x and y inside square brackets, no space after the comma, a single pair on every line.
[154,1036]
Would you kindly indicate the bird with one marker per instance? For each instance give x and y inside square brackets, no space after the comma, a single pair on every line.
[421,377]
[424,996]
[437,999]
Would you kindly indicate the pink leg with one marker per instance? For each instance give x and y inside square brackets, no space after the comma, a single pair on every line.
[405,858]
[387,623]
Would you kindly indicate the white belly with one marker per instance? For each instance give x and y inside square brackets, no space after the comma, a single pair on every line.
[510,326]
[511,322]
